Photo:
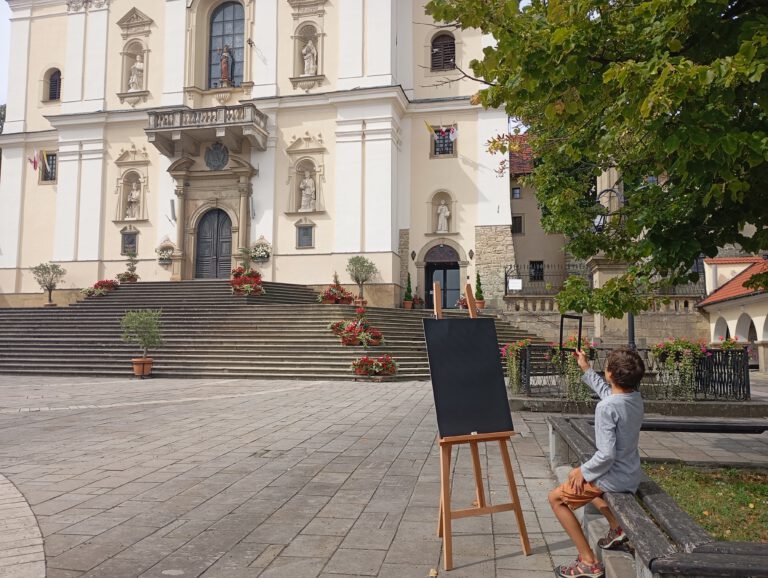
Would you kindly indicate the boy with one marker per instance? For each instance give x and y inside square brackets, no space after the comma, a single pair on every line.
[615,467]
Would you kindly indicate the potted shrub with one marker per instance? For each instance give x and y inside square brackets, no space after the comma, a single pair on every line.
[375,369]
[48,276]
[164,255]
[335,293]
[418,302]
[106,285]
[362,271]
[246,282]
[92,292]
[479,297]
[130,275]
[143,328]
[408,297]
[461,302]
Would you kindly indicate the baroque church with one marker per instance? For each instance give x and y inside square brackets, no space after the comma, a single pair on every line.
[186,130]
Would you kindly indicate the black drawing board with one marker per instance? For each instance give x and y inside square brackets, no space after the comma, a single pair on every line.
[467,378]
[578,318]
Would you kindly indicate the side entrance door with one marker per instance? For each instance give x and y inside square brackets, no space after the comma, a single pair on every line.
[213,256]
[447,274]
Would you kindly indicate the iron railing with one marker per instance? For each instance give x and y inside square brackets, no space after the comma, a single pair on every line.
[540,278]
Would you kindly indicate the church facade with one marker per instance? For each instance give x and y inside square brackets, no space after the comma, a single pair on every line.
[186,130]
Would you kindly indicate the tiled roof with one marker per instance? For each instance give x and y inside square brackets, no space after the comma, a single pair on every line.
[732,260]
[520,160]
[734,288]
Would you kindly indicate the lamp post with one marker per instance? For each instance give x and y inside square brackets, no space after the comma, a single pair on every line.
[612,200]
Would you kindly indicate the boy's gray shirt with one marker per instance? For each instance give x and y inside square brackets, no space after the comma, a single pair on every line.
[615,467]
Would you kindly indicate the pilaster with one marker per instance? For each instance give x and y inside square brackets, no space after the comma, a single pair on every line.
[11,196]
[90,204]
[351,47]
[264,185]
[16,110]
[174,51]
[67,199]
[380,184]
[96,57]
[349,184]
[73,73]
[265,49]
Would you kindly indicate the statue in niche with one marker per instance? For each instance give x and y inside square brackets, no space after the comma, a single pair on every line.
[442,217]
[226,65]
[308,197]
[132,202]
[136,79]
[309,52]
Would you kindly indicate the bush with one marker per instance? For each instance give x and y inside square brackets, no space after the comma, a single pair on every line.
[48,276]
[143,328]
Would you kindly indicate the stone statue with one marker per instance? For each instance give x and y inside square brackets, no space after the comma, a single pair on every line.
[132,202]
[226,65]
[442,217]
[310,59]
[136,80]
[307,188]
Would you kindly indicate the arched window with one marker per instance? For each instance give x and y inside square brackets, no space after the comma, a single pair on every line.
[227,32]
[53,84]
[443,52]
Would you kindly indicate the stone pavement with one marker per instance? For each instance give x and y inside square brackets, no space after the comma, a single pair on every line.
[236,478]
[245,478]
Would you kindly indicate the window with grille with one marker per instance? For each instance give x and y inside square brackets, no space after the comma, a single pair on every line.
[442,143]
[517,224]
[305,236]
[536,271]
[227,29]
[54,85]
[48,166]
[516,192]
[443,52]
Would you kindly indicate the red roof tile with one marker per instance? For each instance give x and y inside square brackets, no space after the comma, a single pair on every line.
[520,160]
[732,260]
[734,288]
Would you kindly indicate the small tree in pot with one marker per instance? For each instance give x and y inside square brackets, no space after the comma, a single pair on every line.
[143,328]
[361,270]
[408,297]
[479,297]
[48,276]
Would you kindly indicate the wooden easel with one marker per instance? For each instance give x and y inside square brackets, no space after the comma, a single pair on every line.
[481,507]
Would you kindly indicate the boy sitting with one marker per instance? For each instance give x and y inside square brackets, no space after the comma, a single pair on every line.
[615,467]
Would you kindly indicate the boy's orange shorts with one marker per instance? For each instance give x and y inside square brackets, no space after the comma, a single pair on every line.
[576,500]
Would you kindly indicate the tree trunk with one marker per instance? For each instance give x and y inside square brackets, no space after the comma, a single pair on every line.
[50,292]
[361,290]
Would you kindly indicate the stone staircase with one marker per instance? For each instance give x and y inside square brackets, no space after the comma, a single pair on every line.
[210,333]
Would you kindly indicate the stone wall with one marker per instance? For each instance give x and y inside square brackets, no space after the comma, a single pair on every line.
[60,297]
[403,250]
[494,250]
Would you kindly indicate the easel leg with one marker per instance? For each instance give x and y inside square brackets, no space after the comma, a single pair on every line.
[445,503]
[478,475]
[514,496]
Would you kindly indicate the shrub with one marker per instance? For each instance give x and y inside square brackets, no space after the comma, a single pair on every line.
[408,291]
[48,276]
[143,328]
[130,275]
[478,288]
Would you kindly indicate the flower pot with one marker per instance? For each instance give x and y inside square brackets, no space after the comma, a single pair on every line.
[328,301]
[374,342]
[407,304]
[360,302]
[142,366]
[347,341]
[480,304]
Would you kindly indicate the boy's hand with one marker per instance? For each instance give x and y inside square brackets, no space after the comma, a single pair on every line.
[576,479]
[581,359]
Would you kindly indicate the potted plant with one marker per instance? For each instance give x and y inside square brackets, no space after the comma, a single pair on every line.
[130,275]
[93,292]
[362,271]
[48,276]
[246,282]
[374,369]
[261,250]
[461,302]
[106,285]
[335,293]
[418,302]
[479,297]
[143,328]
[408,297]
[164,255]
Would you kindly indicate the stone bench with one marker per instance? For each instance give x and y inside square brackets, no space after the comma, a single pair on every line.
[666,540]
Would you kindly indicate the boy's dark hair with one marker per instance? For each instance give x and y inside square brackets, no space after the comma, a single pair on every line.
[626,367]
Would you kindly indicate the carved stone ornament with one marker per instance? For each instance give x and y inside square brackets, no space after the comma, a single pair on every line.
[77,5]
[135,23]
[217,157]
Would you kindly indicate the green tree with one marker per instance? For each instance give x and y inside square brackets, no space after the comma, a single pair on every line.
[48,276]
[361,270]
[478,288]
[143,328]
[673,95]
[408,290]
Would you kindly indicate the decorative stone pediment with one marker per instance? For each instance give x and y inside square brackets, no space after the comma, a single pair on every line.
[306,144]
[132,157]
[135,23]
[307,8]
[77,5]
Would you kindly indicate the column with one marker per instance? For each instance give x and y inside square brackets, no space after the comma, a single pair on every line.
[264,186]
[96,58]
[73,73]
[379,43]
[164,190]
[349,184]
[244,188]
[90,202]
[174,52]
[264,53]
[18,73]
[11,195]
[179,256]
[351,49]
[65,227]
[380,184]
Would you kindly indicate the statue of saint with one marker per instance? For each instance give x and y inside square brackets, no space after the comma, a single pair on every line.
[442,217]
[226,65]
[136,80]
[307,188]
[132,202]
[309,52]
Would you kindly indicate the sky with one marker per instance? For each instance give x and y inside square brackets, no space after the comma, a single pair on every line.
[5,42]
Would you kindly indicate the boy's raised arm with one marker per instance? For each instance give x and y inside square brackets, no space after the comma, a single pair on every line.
[591,378]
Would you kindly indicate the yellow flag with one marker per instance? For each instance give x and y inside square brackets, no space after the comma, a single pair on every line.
[430,130]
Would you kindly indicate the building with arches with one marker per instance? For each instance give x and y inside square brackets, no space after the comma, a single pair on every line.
[330,129]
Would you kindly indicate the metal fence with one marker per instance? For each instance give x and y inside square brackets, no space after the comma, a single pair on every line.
[544,371]
[540,278]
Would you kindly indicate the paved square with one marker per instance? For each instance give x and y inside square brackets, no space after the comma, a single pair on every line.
[244,478]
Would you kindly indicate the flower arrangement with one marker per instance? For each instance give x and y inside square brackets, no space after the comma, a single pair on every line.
[369,366]
[130,275]
[510,353]
[106,284]
[358,331]
[261,250]
[164,255]
[678,357]
[729,343]
[461,302]
[335,293]
[418,301]
[246,282]
[93,292]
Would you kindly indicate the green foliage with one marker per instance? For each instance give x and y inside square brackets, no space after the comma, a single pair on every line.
[478,288]
[361,270]
[677,358]
[512,354]
[758,282]
[143,328]
[48,276]
[408,291]
[672,90]
[130,275]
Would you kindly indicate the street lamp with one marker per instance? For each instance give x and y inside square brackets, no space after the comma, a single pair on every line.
[610,200]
